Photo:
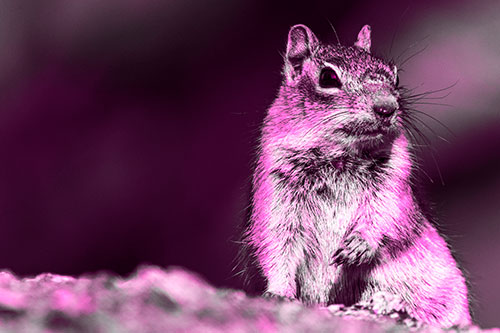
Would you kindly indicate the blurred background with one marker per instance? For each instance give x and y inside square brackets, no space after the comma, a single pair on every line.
[128,127]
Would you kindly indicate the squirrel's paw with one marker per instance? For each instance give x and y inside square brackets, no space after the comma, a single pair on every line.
[354,250]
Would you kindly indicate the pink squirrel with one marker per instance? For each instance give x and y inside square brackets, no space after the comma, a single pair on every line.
[334,218]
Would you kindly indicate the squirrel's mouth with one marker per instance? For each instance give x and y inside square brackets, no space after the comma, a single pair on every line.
[371,133]
[366,130]
[368,135]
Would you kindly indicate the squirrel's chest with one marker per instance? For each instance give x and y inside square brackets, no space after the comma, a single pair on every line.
[325,207]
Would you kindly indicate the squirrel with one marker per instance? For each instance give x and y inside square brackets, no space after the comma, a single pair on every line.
[334,219]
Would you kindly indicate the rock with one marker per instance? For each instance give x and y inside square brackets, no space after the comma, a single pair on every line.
[176,300]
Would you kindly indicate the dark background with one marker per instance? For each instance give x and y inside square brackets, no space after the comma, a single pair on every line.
[128,127]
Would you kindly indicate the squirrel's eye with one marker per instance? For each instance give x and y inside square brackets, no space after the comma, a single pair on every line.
[397,81]
[329,79]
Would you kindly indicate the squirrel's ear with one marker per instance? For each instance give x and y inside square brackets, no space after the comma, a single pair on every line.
[364,38]
[301,43]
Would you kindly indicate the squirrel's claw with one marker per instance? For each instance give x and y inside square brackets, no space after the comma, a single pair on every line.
[353,251]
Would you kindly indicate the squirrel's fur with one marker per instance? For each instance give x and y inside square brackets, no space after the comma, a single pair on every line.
[334,218]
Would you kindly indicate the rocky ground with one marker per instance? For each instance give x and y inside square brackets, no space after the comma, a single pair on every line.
[175,300]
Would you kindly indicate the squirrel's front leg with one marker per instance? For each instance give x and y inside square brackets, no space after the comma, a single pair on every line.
[280,269]
[362,241]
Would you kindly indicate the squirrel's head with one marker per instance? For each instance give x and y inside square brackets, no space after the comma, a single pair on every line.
[337,95]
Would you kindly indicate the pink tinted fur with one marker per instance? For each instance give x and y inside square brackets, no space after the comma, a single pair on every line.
[296,238]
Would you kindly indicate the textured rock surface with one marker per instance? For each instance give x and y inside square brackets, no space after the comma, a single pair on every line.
[175,300]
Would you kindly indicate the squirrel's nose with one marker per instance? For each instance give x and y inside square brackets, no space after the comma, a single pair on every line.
[384,110]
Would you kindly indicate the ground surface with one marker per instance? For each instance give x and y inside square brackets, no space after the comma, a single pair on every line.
[174,300]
